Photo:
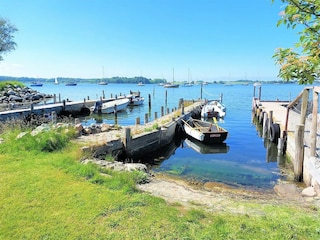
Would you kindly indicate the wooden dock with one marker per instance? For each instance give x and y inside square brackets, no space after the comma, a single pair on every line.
[293,127]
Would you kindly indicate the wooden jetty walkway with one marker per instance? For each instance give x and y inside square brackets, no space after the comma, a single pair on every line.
[293,125]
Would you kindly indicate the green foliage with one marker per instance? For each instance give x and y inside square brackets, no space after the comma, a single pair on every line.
[46,140]
[5,84]
[303,62]
[6,37]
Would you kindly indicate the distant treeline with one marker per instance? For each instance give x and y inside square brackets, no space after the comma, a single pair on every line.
[133,80]
[85,80]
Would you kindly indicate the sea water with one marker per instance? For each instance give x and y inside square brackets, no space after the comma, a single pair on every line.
[245,160]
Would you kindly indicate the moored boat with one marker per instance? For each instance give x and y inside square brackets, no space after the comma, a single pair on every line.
[36,84]
[213,109]
[205,132]
[71,84]
[110,106]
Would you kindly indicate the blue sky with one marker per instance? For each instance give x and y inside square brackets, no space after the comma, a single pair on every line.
[213,40]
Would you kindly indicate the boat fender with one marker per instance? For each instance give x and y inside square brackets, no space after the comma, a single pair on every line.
[274,133]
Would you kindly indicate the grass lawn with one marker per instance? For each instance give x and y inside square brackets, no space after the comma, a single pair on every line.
[47,194]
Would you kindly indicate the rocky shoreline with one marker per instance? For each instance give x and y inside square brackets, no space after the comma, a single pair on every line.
[15,96]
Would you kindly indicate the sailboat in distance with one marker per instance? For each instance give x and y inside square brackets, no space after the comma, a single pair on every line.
[56,81]
[171,85]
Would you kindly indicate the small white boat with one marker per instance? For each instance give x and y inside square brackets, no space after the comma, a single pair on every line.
[140,84]
[213,109]
[135,100]
[205,132]
[111,106]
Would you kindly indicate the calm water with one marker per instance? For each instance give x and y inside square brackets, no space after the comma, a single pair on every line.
[246,160]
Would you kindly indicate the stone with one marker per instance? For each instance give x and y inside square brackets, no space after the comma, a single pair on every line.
[308,192]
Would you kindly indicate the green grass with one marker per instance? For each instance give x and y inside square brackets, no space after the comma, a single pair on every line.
[50,195]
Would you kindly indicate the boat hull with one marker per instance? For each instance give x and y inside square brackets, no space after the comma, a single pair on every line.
[111,106]
[205,132]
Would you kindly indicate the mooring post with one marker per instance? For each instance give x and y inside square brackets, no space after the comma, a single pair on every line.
[162,111]
[103,95]
[221,96]
[149,98]
[145,118]
[138,121]
[265,125]
[59,98]
[155,115]
[201,91]
[168,110]
[299,152]
[166,97]
[259,93]
[127,137]
[64,105]
[304,106]
[270,121]
[54,98]
[313,132]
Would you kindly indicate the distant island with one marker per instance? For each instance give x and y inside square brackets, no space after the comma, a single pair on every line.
[132,80]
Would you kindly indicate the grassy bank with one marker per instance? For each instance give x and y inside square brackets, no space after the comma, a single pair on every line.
[47,194]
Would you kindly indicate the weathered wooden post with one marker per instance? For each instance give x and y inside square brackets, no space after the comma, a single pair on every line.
[127,137]
[259,97]
[155,115]
[138,121]
[149,98]
[103,95]
[299,152]
[54,98]
[305,96]
[166,97]
[88,98]
[168,110]
[270,121]
[145,118]
[64,105]
[162,111]
[59,97]
[313,132]
[265,125]
[201,91]
[221,97]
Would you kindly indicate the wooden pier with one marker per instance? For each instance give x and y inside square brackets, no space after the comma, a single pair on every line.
[293,125]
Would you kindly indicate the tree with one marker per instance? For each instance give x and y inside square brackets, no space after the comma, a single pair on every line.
[6,37]
[301,63]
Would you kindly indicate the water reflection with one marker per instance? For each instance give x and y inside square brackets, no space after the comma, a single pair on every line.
[206,149]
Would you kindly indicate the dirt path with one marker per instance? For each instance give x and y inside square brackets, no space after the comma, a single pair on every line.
[218,197]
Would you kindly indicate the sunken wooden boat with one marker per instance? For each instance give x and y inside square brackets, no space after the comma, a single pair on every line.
[205,132]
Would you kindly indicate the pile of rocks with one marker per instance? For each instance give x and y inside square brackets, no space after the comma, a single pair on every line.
[18,94]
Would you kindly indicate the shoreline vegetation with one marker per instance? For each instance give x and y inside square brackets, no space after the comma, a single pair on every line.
[132,80]
[48,193]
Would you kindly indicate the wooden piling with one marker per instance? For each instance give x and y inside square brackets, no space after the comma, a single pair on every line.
[138,121]
[155,115]
[299,153]
[162,111]
[265,126]
[270,121]
[313,131]
[146,118]
[149,100]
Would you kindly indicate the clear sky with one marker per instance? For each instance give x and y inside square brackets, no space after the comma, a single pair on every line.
[212,39]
